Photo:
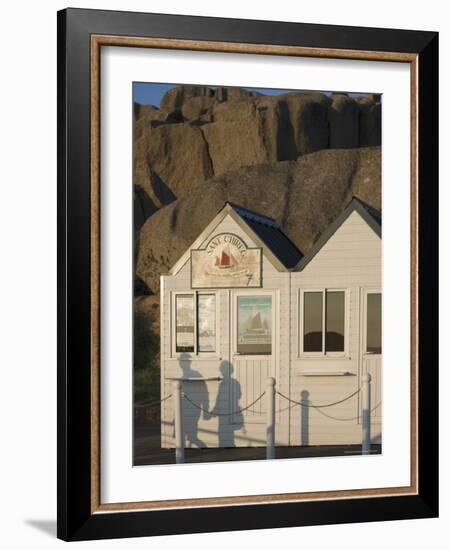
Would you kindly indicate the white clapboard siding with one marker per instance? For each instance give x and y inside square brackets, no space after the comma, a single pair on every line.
[350,260]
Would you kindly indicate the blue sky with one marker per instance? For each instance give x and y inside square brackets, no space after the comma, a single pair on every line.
[148,93]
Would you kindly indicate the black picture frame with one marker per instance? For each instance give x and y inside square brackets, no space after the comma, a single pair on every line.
[75,478]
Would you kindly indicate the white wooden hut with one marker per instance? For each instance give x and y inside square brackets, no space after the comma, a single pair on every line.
[243,304]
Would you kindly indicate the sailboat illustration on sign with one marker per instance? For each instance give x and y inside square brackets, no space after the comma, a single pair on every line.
[225,260]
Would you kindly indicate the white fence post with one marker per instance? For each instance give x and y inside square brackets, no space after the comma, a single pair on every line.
[365,397]
[270,430]
[178,420]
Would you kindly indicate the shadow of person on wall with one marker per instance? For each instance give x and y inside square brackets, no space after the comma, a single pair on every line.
[228,400]
[197,392]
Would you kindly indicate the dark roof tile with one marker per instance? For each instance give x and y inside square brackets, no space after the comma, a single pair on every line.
[270,232]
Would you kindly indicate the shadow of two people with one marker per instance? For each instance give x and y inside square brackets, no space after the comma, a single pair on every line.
[225,407]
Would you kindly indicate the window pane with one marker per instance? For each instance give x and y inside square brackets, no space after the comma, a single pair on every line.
[335,321]
[206,318]
[312,321]
[185,323]
[254,325]
[373,336]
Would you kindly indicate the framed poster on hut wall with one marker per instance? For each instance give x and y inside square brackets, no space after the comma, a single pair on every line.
[242,326]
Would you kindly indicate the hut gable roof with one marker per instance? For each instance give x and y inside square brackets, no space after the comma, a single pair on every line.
[271,234]
[264,231]
[371,216]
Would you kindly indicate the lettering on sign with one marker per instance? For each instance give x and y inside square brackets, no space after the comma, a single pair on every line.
[226,262]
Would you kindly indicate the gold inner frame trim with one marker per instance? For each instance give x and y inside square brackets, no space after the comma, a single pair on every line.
[97,41]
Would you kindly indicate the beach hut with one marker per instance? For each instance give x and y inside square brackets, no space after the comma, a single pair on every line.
[244,305]
[336,330]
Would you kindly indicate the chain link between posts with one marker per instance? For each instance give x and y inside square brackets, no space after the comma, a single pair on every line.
[293,403]
[319,407]
[348,419]
[212,413]
[310,405]
[153,403]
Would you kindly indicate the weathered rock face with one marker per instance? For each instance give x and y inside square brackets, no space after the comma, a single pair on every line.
[143,206]
[307,115]
[143,176]
[369,123]
[199,133]
[196,107]
[304,196]
[173,100]
[235,141]
[178,156]
[344,122]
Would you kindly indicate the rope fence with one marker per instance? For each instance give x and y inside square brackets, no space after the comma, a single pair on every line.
[179,395]
[310,405]
[144,405]
[144,411]
[358,417]
[213,413]
[293,403]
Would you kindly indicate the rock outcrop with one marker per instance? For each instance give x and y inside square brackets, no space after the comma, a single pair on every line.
[303,195]
[200,133]
[369,122]
[343,118]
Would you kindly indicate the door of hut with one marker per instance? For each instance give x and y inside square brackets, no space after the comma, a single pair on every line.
[253,351]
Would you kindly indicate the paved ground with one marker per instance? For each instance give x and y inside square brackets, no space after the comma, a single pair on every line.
[147,450]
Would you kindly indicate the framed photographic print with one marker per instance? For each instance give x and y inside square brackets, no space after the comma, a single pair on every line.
[247,274]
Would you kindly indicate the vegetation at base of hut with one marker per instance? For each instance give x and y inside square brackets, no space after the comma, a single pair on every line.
[146,387]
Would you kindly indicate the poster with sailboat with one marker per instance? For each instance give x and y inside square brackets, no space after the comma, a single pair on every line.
[254,324]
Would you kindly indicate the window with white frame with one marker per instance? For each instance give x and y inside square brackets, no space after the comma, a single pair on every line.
[195,323]
[206,322]
[373,323]
[323,322]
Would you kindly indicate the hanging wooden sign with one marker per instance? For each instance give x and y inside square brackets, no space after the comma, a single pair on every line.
[226,262]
